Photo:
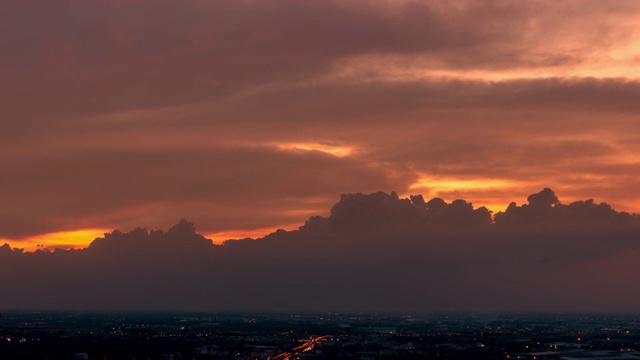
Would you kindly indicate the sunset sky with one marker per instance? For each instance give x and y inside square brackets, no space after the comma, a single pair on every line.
[249,116]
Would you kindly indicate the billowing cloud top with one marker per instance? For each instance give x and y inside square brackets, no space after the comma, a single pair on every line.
[374,252]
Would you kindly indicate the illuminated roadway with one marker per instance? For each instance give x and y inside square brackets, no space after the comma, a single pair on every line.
[308,346]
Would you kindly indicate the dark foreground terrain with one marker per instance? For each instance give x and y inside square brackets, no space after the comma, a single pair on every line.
[83,335]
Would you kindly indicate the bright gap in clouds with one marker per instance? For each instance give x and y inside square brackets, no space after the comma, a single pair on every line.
[436,184]
[237,234]
[431,186]
[74,239]
[335,150]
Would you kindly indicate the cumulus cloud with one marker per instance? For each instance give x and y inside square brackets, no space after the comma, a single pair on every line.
[382,214]
[373,252]
[544,209]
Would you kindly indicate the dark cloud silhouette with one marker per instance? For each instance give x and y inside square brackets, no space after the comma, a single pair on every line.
[373,252]
[382,214]
[182,237]
[545,210]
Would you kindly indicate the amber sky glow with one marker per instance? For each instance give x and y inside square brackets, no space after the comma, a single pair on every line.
[62,239]
[222,236]
[249,116]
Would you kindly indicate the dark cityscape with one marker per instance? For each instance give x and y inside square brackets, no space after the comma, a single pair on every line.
[128,335]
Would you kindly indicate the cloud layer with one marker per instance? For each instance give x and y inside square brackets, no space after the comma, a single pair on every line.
[373,252]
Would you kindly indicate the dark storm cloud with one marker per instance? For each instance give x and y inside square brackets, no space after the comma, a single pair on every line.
[373,252]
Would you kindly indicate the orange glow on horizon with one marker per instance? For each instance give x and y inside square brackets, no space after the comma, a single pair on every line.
[481,192]
[221,236]
[494,194]
[75,239]
[79,239]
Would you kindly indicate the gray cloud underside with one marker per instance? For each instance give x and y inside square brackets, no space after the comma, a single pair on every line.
[373,252]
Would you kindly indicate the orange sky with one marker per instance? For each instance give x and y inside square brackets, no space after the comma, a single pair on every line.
[245,117]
